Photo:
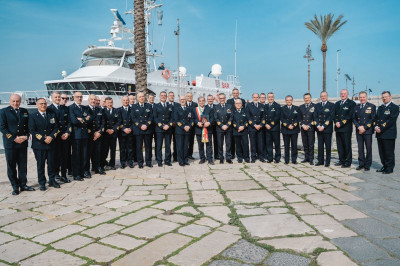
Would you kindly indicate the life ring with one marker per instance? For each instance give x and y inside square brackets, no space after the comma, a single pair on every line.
[166,74]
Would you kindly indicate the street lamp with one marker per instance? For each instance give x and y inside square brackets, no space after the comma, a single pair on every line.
[309,58]
[337,72]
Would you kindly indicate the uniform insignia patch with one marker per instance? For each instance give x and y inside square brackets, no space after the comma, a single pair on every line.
[387,112]
[87,118]
[345,108]
[229,123]
[312,110]
[218,123]
[179,124]
[344,121]
[147,110]
[295,124]
[368,125]
[84,114]
[326,110]
[284,124]
[159,124]
[25,115]
[149,122]
[52,121]
[247,124]
[89,131]
[116,115]
[250,122]
[38,136]
[228,111]
[234,125]
[384,124]
[327,123]
[137,123]
[272,123]
[295,112]
[8,136]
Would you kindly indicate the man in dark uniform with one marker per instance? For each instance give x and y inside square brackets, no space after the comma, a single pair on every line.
[95,132]
[363,119]
[223,118]
[263,101]
[142,118]
[210,104]
[344,110]
[192,105]
[63,102]
[112,121]
[80,120]
[125,134]
[163,118]
[62,142]
[14,127]
[324,124]
[171,102]
[386,132]
[231,102]
[255,114]
[44,129]
[272,112]
[240,124]
[307,123]
[150,99]
[183,117]
[290,117]
[203,119]
[133,139]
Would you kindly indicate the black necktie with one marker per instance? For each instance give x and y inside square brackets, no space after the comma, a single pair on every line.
[44,116]
[184,108]
[306,105]
[342,103]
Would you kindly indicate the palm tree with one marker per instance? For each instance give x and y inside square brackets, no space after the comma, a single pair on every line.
[324,28]
[140,47]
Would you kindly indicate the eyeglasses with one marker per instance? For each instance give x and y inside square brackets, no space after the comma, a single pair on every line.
[78,96]
[64,98]
[42,103]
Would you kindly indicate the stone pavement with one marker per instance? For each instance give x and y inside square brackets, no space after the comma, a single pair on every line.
[240,214]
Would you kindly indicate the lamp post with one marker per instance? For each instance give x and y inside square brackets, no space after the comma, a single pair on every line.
[179,76]
[309,58]
[337,72]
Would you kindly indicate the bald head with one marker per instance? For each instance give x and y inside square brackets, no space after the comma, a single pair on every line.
[15,100]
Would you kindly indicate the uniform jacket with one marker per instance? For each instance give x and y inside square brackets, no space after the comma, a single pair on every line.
[256,115]
[62,115]
[40,128]
[290,117]
[308,115]
[223,116]
[231,101]
[385,119]
[112,121]
[213,124]
[273,116]
[183,118]
[207,113]
[240,119]
[163,116]
[193,105]
[365,117]
[344,115]
[79,129]
[97,122]
[142,116]
[126,120]
[325,116]
[13,125]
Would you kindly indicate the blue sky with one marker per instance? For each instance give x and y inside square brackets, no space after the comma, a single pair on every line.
[39,39]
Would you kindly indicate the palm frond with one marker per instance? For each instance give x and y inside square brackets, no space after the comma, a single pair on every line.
[324,26]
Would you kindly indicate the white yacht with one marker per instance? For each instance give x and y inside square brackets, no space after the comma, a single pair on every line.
[108,70]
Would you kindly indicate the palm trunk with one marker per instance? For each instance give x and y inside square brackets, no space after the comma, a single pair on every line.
[324,71]
[140,47]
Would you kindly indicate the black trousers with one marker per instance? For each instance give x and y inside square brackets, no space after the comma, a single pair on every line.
[133,155]
[308,139]
[209,148]
[109,145]
[273,138]
[227,135]
[182,145]
[125,149]
[257,144]
[61,150]
[14,158]
[163,137]
[343,141]
[324,139]
[386,153]
[290,143]
[215,142]
[79,156]
[147,140]
[233,146]
[69,155]
[364,140]
[175,153]
[41,157]
[264,143]
[242,147]
[191,143]
[94,152]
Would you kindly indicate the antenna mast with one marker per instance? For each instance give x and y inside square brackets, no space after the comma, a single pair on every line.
[235,48]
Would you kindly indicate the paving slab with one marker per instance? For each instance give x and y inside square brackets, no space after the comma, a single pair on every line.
[341,195]
[59,234]
[328,226]
[284,259]
[207,222]
[101,218]
[306,244]
[334,258]
[138,216]
[219,213]
[52,257]
[289,196]
[372,228]
[99,253]
[194,230]
[18,250]
[154,251]
[4,238]
[246,252]
[305,208]
[151,228]
[204,249]
[227,263]
[239,185]
[275,225]
[123,241]
[322,199]
[168,205]
[303,189]
[103,230]
[251,196]
[343,212]
[72,243]
[252,211]
[207,197]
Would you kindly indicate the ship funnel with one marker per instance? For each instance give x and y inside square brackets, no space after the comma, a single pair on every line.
[216,70]
[160,17]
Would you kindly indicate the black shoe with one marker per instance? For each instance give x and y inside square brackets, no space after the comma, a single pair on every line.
[160,165]
[387,172]
[70,173]
[338,164]
[286,162]
[211,162]
[140,166]
[318,164]
[269,161]
[15,192]
[168,164]
[305,160]
[202,161]
[253,161]
[181,164]
[87,175]
[277,161]
[65,179]
[131,166]
[345,166]
[78,178]
[240,161]
[221,161]
[359,168]
[247,161]
[54,184]
[229,161]
[262,160]
[294,162]
[113,168]
[366,168]
[100,171]
[191,157]
[123,166]
[43,188]
[187,163]
[327,165]
[311,162]
[149,165]
[27,188]
[381,170]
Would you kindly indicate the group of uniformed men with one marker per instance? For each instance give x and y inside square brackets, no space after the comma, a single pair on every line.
[92,132]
